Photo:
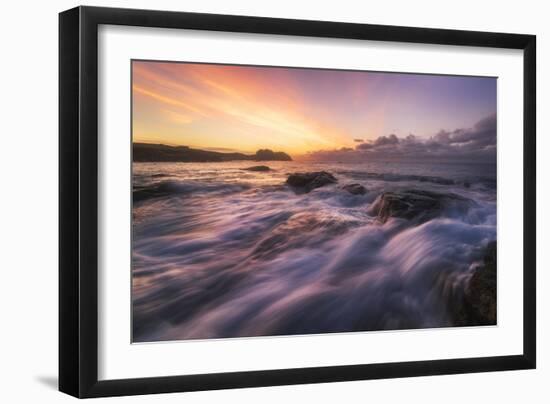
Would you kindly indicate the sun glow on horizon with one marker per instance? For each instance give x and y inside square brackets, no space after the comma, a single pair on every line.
[297,111]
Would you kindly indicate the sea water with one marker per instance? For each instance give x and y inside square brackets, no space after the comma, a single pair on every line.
[219,251]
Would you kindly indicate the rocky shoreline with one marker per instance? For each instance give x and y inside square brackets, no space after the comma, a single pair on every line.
[358,253]
[148,152]
[478,305]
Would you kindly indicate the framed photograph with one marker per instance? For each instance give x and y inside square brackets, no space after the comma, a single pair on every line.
[251,201]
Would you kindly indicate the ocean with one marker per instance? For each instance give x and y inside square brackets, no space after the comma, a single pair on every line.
[222,252]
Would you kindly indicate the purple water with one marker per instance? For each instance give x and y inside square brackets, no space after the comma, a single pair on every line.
[221,252]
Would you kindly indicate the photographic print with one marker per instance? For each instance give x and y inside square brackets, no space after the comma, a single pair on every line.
[272,201]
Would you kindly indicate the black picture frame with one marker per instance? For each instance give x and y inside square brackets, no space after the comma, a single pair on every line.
[78,201]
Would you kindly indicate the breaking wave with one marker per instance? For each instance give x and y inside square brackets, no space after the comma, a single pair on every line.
[219,253]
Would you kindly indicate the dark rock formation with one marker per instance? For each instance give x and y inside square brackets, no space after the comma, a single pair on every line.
[289,234]
[145,152]
[416,204]
[257,168]
[355,189]
[268,155]
[305,182]
[478,305]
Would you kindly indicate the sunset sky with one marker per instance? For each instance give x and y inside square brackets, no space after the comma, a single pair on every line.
[303,110]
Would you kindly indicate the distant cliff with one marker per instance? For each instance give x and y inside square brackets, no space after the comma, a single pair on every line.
[145,152]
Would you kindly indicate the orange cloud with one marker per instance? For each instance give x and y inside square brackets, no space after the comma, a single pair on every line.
[227,99]
[166,100]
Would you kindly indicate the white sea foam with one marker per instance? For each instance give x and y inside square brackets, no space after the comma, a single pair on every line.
[222,252]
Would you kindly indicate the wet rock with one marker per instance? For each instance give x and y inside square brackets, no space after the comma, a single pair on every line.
[419,205]
[306,182]
[257,168]
[478,305]
[301,230]
[355,189]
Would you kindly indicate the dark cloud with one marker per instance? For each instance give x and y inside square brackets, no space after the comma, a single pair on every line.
[477,143]
[364,146]
[385,140]
[358,140]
